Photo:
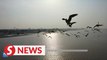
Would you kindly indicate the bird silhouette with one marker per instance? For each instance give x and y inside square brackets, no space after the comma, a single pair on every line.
[96,29]
[67,34]
[89,27]
[87,35]
[98,25]
[68,21]
[77,36]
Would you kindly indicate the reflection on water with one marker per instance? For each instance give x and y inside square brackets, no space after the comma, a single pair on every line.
[52,44]
[53,56]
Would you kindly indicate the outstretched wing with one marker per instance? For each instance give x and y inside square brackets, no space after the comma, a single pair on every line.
[71,16]
[70,25]
[73,22]
[97,25]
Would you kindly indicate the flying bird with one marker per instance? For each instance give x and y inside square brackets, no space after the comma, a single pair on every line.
[87,35]
[67,34]
[77,36]
[98,25]
[68,21]
[96,29]
[89,27]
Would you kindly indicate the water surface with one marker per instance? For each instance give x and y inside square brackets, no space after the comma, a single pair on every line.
[95,43]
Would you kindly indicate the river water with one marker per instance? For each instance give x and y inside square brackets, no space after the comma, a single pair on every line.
[60,46]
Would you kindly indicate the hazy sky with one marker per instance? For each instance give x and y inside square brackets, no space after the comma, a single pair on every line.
[49,13]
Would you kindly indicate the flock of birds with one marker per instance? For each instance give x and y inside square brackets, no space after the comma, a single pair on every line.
[77,35]
[69,23]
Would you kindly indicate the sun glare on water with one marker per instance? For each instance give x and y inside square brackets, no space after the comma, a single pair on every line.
[52,41]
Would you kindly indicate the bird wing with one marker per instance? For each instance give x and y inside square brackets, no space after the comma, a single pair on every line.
[97,25]
[94,26]
[70,25]
[71,16]
[73,22]
[101,24]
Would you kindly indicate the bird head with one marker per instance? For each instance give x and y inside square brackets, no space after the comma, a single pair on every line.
[64,19]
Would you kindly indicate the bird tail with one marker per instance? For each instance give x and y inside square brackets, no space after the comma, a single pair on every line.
[70,25]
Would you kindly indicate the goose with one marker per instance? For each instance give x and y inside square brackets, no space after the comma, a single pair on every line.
[68,21]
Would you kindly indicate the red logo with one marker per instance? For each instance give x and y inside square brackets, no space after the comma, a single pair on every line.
[9,50]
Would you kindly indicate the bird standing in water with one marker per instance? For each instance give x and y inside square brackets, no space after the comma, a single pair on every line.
[68,21]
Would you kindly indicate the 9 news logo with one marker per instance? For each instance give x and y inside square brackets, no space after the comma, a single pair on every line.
[11,50]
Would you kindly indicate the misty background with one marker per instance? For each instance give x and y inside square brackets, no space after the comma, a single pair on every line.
[49,13]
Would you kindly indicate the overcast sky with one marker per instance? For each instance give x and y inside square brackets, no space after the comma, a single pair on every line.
[49,13]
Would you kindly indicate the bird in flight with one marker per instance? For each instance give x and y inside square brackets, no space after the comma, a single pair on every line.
[98,25]
[87,35]
[68,21]
[89,27]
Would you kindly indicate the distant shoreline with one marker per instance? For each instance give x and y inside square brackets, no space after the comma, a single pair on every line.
[21,32]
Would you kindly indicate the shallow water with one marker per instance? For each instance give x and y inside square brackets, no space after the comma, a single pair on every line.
[57,45]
